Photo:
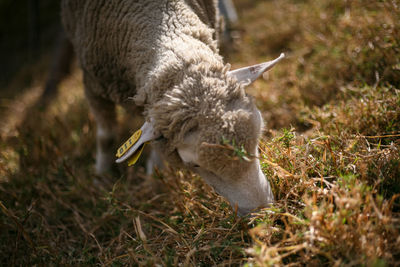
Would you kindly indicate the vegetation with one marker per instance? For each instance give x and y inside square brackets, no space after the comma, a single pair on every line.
[331,151]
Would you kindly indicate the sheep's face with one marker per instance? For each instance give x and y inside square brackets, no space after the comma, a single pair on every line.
[225,155]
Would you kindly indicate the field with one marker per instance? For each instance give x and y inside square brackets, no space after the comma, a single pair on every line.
[331,151]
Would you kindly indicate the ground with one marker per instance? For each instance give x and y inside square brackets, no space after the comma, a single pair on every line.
[330,151]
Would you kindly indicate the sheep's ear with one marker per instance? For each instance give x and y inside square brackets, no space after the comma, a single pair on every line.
[251,73]
[133,147]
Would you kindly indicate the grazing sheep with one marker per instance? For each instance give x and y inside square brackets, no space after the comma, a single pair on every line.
[164,54]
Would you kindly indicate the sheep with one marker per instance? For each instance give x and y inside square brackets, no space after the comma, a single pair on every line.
[163,54]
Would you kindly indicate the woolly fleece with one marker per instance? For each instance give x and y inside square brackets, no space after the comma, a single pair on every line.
[165,55]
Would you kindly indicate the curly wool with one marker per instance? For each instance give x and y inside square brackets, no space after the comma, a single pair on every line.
[124,47]
[204,98]
[164,53]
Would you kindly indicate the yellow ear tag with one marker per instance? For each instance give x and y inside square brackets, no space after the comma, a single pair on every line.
[129,143]
[132,160]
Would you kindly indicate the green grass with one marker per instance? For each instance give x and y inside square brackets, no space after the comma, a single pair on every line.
[331,152]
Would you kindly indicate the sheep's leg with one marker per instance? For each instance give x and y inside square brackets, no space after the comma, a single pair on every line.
[105,136]
[105,148]
[154,161]
[105,117]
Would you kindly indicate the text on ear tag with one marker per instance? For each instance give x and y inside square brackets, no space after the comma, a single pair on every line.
[128,144]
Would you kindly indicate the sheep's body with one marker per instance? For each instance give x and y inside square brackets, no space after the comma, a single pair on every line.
[127,47]
[164,54]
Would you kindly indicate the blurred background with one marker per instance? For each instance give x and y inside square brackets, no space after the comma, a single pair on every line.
[28,30]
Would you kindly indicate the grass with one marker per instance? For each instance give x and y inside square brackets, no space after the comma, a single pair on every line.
[331,152]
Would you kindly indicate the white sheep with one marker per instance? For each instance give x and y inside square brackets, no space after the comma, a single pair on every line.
[164,54]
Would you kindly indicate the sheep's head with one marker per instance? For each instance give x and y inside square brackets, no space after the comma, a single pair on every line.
[227,159]
[217,139]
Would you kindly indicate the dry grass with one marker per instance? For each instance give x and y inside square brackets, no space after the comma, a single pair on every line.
[338,189]
[331,153]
